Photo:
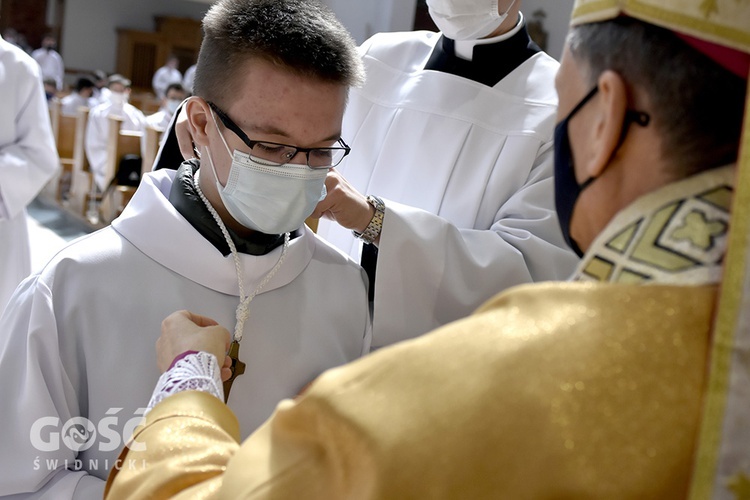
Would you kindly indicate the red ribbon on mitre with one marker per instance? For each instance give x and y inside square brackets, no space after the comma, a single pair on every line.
[734,60]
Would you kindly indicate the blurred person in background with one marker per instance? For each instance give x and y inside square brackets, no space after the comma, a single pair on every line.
[97,128]
[174,96]
[50,61]
[28,159]
[165,76]
[187,80]
[80,97]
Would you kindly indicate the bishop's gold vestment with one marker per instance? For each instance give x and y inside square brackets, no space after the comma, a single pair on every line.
[560,390]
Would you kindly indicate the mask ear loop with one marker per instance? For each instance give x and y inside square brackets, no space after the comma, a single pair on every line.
[213,117]
[640,118]
[574,112]
[208,151]
[213,169]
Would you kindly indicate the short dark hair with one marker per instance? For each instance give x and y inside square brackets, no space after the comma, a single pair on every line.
[302,36]
[84,83]
[696,104]
[175,86]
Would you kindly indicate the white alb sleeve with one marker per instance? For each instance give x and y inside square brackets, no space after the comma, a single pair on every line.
[195,372]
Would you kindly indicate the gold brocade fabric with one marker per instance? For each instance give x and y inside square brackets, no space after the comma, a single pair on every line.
[677,234]
[181,451]
[722,464]
[559,390]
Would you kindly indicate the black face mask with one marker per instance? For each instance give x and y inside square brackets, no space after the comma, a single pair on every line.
[567,189]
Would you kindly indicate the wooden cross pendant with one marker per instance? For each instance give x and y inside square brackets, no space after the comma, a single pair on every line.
[238,368]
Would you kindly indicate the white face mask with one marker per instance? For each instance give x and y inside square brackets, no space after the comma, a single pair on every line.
[118,98]
[269,199]
[466,19]
[172,105]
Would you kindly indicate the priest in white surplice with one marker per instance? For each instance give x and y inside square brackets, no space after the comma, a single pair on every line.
[76,350]
[28,159]
[454,134]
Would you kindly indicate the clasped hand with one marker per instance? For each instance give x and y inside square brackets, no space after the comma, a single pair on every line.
[184,331]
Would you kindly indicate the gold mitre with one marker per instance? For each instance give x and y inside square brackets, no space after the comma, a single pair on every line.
[721,30]
[723,22]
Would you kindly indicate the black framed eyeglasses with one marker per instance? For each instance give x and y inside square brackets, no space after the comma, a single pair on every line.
[276,154]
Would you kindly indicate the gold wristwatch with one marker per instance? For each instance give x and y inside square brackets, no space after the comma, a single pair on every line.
[372,231]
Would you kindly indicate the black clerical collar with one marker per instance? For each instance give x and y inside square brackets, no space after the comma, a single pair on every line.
[184,197]
[490,63]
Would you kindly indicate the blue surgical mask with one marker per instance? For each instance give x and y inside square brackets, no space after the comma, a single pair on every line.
[567,189]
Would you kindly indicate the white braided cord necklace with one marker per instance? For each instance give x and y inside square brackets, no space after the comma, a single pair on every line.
[242,312]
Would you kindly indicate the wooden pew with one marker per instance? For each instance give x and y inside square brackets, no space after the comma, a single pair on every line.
[80,182]
[55,110]
[66,141]
[64,131]
[66,138]
[147,102]
[52,188]
[152,139]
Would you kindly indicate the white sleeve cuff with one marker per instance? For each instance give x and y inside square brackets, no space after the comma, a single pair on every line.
[195,372]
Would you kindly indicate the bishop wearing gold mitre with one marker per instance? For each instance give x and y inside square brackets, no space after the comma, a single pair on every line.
[631,381]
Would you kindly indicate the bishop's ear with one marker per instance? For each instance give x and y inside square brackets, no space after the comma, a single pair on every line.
[197,112]
[609,122]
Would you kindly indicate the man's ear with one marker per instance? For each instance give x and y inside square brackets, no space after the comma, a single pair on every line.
[198,118]
[609,121]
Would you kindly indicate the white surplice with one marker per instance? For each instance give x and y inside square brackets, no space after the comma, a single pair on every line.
[97,131]
[72,102]
[78,338]
[51,63]
[28,159]
[466,174]
[163,78]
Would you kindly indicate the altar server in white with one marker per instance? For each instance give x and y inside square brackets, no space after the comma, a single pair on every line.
[165,76]
[50,61]
[97,129]
[452,132]
[77,346]
[28,159]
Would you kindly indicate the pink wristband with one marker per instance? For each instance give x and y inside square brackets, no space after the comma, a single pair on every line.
[180,356]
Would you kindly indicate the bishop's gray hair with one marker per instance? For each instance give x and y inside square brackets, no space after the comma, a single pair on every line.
[696,104]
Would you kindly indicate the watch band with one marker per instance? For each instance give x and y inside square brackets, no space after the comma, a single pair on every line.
[372,231]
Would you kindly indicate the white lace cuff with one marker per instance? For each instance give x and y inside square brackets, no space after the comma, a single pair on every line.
[195,372]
